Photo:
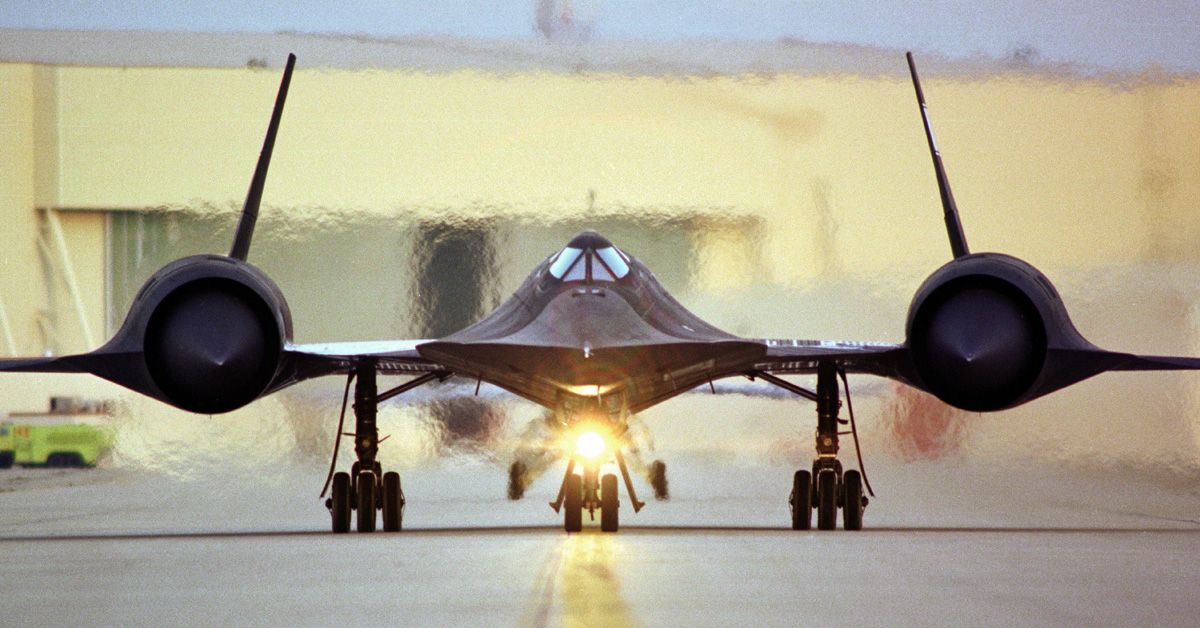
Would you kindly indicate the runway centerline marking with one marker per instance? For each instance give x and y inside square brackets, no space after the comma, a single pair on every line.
[590,588]
[542,597]
[579,569]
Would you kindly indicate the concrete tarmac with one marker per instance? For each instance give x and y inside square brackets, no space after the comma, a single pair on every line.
[111,546]
[646,576]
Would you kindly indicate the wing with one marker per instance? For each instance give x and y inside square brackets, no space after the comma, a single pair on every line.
[758,389]
[299,362]
[53,364]
[893,361]
[759,358]
[785,356]
[1134,362]
[393,357]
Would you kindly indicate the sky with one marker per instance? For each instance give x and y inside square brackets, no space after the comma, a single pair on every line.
[1116,34]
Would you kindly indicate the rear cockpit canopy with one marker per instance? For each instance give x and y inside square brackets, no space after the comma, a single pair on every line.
[589,257]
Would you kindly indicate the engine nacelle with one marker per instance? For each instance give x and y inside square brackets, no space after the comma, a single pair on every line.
[205,334]
[981,329]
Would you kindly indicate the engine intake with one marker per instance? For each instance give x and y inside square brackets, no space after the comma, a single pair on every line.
[212,345]
[977,333]
[205,334]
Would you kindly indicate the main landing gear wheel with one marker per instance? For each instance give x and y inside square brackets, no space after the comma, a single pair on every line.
[827,498]
[802,500]
[609,521]
[393,502]
[828,487]
[573,503]
[365,491]
[64,460]
[658,479]
[339,503]
[852,501]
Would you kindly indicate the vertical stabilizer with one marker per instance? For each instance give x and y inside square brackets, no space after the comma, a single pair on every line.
[245,228]
[958,242]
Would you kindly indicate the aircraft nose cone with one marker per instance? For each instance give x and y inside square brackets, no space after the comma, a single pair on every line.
[204,358]
[975,351]
[215,336]
[221,353]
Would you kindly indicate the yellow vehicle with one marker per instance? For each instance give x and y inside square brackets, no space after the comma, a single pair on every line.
[52,445]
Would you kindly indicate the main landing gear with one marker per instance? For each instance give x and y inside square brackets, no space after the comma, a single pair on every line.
[366,493]
[827,487]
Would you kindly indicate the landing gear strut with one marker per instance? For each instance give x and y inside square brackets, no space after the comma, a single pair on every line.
[367,490]
[827,487]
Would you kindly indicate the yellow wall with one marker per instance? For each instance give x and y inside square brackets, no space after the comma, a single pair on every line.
[1088,160]
[1061,172]
[20,268]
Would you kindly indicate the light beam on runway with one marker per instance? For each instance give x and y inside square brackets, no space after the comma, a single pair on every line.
[579,580]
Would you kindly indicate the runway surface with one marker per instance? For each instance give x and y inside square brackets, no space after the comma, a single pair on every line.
[114,546]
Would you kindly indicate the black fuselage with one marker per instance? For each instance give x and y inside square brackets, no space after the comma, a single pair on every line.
[589,331]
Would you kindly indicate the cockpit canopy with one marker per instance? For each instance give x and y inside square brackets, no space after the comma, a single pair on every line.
[589,257]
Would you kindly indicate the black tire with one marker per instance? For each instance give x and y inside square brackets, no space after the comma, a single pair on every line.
[827,497]
[852,501]
[516,480]
[609,504]
[6,459]
[802,500]
[64,460]
[340,502]
[365,491]
[393,502]
[658,480]
[573,503]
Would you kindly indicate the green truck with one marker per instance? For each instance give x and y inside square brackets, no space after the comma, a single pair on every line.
[52,444]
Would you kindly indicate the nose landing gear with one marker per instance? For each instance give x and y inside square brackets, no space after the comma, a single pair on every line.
[583,492]
[590,490]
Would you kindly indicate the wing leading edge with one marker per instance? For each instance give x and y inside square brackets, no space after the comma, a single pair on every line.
[297,363]
[392,357]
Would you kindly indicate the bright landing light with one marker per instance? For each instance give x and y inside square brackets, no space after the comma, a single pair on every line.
[590,444]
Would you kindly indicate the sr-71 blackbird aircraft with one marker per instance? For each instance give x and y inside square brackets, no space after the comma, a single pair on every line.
[593,337]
